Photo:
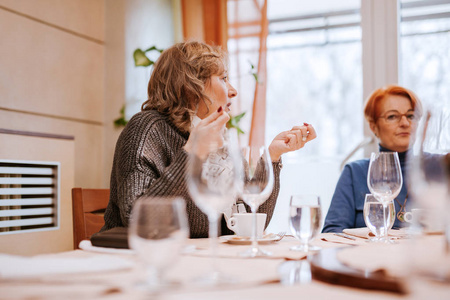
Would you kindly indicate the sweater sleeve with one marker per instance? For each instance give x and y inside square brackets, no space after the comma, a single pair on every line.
[341,213]
[268,206]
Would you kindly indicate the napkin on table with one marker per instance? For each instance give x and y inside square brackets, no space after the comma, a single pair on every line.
[14,266]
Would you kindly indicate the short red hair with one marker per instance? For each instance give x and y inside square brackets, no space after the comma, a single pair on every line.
[371,108]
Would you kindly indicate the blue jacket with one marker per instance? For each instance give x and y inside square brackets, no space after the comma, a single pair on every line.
[346,208]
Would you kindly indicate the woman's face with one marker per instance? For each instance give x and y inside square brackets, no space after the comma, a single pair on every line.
[220,91]
[396,124]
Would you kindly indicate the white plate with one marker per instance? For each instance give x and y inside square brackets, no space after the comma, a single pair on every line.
[238,240]
[87,246]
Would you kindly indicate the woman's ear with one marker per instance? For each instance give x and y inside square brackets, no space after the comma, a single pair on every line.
[374,128]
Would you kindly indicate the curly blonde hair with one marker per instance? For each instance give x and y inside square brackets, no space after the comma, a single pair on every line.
[177,83]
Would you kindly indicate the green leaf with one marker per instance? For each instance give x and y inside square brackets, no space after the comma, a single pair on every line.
[234,122]
[140,59]
[239,117]
[120,122]
[154,48]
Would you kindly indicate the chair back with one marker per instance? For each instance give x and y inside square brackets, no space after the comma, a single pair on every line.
[88,207]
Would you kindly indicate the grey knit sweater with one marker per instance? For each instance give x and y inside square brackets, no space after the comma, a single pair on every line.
[150,160]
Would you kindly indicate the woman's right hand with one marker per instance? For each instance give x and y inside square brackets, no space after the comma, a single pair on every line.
[208,134]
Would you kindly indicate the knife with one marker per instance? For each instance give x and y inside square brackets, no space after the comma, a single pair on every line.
[341,234]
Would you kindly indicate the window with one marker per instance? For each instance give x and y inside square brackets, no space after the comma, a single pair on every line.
[425,62]
[315,74]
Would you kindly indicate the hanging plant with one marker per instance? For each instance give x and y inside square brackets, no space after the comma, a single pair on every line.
[141,59]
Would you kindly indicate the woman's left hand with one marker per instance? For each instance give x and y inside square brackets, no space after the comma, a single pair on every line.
[291,140]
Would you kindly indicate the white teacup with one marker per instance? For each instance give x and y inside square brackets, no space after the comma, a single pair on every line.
[430,219]
[242,224]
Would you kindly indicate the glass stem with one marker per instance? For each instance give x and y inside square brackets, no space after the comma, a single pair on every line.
[385,229]
[254,236]
[213,229]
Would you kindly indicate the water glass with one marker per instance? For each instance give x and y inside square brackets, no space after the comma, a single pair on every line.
[157,233]
[305,218]
[258,181]
[385,180]
[214,182]
[374,212]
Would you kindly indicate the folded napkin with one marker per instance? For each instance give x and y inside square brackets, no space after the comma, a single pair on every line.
[365,233]
[113,238]
[14,266]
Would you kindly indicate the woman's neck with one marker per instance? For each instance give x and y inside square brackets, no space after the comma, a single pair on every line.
[401,155]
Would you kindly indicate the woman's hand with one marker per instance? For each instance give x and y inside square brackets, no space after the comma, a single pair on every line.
[208,134]
[291,140]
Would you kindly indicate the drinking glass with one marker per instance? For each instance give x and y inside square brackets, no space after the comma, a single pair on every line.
[258,185]
[305,217]
[214,183]
[430,172]
[385,181]
[157,233]
[374,216]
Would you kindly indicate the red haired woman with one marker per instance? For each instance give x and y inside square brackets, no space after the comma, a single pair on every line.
[393,113]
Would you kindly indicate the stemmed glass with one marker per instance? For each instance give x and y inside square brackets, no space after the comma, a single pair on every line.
[258,185]
[157,232]
[305,217]
[374,216]
[385,181]
[214,181]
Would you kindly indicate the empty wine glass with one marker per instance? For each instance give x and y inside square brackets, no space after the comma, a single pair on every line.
[304,220]
[258,185]
[214,183]
[157,233]
[385,181]
[374,216]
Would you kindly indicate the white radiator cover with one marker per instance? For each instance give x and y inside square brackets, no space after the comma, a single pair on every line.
[29,196]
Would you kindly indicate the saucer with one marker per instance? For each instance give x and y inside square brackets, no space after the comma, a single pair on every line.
[245,240]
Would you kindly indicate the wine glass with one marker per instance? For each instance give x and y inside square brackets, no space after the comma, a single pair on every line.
[214,183]
[374,216]
[157,233]
[430,172]
[385,181]
[258,185]
[305,218]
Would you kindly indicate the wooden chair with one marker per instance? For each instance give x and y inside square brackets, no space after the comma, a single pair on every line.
[88,207]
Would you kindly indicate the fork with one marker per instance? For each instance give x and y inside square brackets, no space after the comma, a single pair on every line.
[280,235]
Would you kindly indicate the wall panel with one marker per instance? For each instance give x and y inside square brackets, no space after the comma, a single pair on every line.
[42,149]
[82,16]
[88,144]
[40,63]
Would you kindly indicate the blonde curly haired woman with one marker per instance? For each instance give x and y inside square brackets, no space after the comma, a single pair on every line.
[189,96]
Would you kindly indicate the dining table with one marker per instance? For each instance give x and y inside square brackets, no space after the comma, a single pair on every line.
[347,266]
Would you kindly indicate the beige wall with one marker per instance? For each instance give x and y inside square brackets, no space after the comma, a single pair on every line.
[52,81]
[52,74]
[66,68]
